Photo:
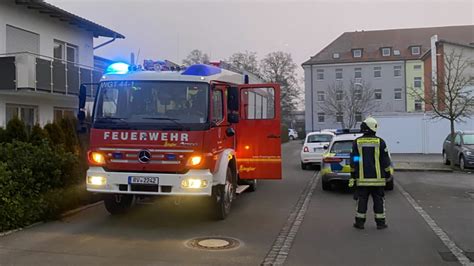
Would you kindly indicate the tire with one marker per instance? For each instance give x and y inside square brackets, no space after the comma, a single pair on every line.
[326,185]
[118,203]
[389,185]
[292,138]
[445,159]
[304,166]
[222,197]
[252,185]
[462,163]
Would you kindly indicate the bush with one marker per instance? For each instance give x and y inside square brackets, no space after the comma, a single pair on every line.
[55,134]
[2,135]
[38,135]
[284,133]
[70,137]
[15,130]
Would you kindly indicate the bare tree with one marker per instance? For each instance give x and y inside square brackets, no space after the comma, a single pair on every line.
[278,67]
[196,57]
[349,103]
[245,61]
[450,96]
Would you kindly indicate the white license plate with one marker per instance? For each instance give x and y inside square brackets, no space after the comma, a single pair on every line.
[146,180]
[317,149]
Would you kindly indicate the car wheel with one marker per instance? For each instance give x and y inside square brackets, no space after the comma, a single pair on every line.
[223,196]
[462,163]
[252,185]
[117,203]
[389,185]
[445,158]
[292,138]
[304,166]
[326,185]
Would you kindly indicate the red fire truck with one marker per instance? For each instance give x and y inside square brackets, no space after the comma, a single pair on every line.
[203,132]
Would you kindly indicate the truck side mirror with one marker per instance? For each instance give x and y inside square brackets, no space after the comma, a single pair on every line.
[233,98]
[233,118]
[230,132]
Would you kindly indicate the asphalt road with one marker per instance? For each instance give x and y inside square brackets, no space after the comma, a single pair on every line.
[305,226]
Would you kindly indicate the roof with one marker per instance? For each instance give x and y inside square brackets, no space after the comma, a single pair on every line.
[346,137]
[62,15]
[398,39]
[428,52]
[321,133]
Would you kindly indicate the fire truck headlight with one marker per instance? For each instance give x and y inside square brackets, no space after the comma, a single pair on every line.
[194,183]
[194,160]
[97,158]
[96,180]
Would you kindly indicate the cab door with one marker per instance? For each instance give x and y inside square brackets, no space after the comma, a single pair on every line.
[258,132]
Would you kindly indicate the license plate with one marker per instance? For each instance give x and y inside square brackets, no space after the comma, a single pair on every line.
[145,180]
[317,149]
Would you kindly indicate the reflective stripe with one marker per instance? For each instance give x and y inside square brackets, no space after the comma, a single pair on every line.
[380,216]
[370,183]
[360,215]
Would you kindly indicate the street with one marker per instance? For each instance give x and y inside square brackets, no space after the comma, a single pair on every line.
[290,221]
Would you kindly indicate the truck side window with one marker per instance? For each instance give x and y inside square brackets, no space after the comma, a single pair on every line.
[258,103]
[217,106]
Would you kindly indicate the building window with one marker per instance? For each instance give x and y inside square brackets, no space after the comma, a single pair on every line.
[357,72]
[417,82]
[357,53]
[27,114]
[417,67]
[396,52]
[335,55]
[65,51]
[418,105]
[339,95]
[321,118]
[61,113]
[378,94]
[358,117]
[339,117]
[377,72]
[358,94]
[321,97]
[319,74]
[387,51]
[58,50]
[338,73]
[398,94]
[397,71]
[415,50]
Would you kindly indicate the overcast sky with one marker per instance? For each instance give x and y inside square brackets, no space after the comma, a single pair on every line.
[170,29]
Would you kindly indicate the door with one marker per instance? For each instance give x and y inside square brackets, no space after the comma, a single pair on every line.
[258,132]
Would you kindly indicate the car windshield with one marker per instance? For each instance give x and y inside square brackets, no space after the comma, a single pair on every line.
[319,138]
[152,102]
[342,147]
[468,139]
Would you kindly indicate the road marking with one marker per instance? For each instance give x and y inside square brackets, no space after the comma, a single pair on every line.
[457,252]
[282,245]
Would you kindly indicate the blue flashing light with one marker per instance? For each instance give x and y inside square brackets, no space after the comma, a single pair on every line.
[202,70]
[117,68]
[355,159]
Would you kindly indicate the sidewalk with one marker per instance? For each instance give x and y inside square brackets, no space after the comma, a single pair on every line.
[419,162]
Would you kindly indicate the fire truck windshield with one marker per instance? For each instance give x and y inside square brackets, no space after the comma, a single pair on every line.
[156,104]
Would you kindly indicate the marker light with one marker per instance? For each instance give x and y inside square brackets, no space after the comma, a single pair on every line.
[194,160]
[193,183]
[117,68]
[96,158]
[96,180]
[355,159]
[202,70]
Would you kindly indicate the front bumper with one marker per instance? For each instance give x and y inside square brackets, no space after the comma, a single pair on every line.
[169,184]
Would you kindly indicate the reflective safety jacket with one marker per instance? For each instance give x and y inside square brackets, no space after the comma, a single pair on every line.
[370,161]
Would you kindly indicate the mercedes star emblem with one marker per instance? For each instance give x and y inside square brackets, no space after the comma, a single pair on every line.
[144,156]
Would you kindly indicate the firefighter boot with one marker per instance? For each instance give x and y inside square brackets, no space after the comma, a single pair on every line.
[381,224]
[359,223]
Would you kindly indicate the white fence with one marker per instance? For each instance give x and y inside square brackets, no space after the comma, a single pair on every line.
[416,133]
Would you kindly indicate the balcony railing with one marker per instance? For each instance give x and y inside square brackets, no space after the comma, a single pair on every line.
[25,70]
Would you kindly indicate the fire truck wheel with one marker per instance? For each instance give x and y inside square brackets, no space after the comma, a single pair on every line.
[117,203]
[252,185]
[223,196]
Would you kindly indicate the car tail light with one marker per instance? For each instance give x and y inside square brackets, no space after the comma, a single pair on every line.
[305,149]
[332,160]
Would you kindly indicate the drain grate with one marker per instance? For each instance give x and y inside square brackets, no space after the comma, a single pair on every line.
[213,243]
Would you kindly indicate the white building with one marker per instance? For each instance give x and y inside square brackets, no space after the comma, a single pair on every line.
[45,53]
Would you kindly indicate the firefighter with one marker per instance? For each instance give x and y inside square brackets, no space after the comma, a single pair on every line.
[370,167]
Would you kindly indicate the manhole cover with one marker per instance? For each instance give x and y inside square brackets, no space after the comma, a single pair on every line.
[213,243]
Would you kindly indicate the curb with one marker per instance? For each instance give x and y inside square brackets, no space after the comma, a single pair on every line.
[82,208]
[423,170]
[2,234]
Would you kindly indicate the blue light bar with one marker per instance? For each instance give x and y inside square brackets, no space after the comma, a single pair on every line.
[202,70]
[117,68]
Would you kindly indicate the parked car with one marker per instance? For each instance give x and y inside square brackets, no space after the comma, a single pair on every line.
[292,134]
[336,161]
[463,152]
[313,148]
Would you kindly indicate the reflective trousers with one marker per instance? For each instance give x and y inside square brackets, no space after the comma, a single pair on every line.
[362,195]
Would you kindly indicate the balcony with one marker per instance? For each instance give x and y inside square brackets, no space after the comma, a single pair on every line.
[33,72]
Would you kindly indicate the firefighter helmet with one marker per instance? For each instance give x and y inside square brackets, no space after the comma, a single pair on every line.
[369,123]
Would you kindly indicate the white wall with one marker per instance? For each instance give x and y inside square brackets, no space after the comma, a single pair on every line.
[416,133]
[48,28]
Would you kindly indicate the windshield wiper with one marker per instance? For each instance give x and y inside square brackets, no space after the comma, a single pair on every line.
[174,120]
